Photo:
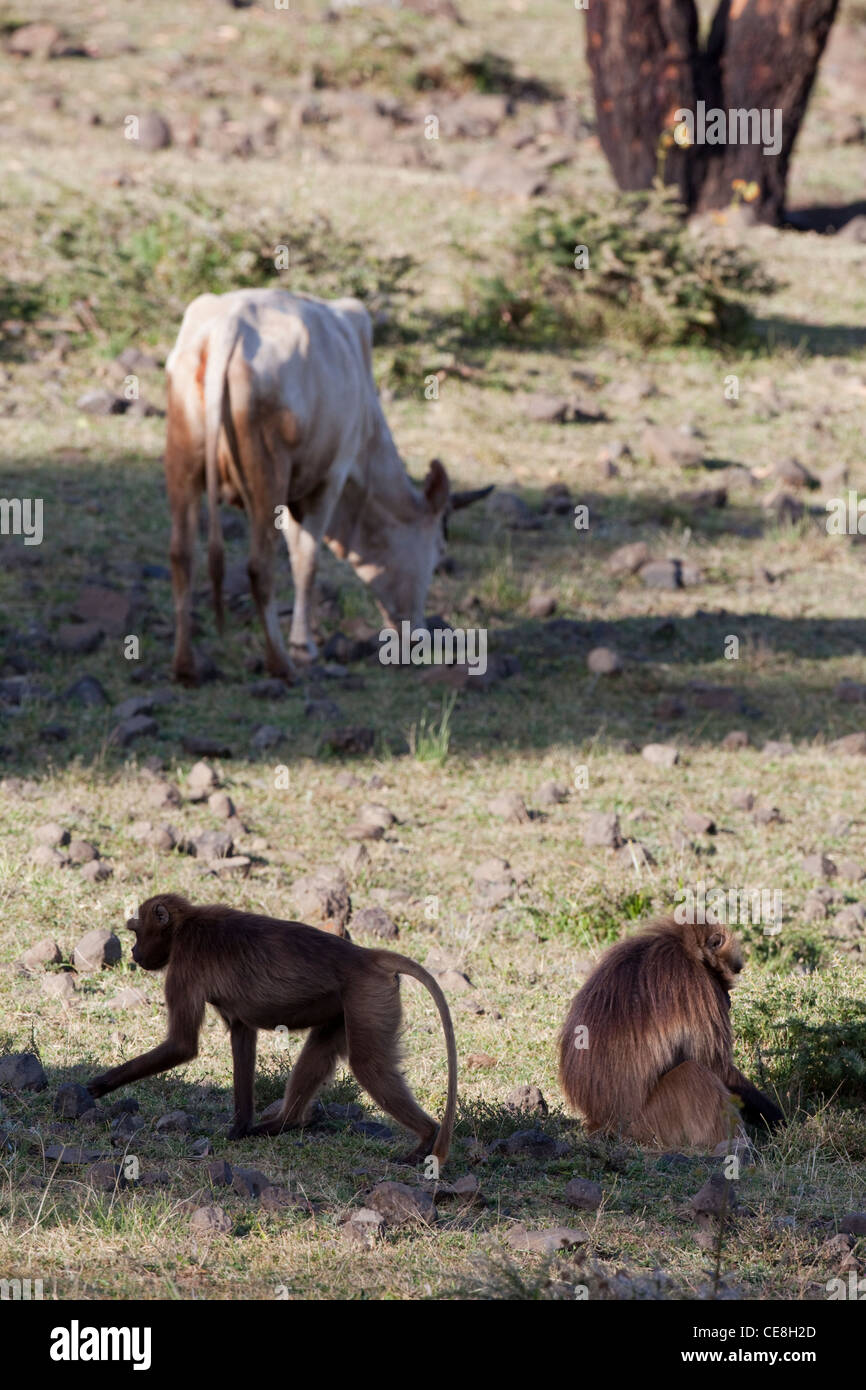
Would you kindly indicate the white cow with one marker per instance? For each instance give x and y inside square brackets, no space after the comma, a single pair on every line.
[272,406]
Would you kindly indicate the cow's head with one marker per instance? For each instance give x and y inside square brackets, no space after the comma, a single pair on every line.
[395,548]
[396,552]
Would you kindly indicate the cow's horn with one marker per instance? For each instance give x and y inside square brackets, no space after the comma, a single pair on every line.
[465,499]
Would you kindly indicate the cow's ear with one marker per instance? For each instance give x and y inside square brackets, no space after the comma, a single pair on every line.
[436,487]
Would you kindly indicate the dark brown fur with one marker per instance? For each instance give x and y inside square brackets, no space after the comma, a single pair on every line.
[658,1066]
[259,972]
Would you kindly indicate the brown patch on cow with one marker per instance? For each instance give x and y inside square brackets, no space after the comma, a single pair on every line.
[287,427]
[200,371]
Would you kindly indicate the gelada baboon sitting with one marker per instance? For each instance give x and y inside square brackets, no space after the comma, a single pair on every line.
[646,1050]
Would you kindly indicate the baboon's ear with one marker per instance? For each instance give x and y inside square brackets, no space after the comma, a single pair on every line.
[161,914]
[716,941]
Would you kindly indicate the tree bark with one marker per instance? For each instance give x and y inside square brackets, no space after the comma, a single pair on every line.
[646,63]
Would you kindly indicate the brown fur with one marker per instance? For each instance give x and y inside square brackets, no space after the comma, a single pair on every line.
[658,1065]
[259,972]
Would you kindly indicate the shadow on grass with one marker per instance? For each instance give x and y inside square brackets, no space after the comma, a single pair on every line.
[106,523]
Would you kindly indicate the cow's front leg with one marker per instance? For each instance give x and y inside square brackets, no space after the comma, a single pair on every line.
[303,551]
[260,568]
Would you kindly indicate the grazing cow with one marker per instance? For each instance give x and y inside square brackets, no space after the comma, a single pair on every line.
[272,406]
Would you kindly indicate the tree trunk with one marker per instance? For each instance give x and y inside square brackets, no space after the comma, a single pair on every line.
[646,63]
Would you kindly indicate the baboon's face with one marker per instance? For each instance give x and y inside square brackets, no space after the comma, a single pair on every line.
[721,953]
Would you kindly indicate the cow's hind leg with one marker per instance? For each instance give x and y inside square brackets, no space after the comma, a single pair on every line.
[260,568]
[184,474]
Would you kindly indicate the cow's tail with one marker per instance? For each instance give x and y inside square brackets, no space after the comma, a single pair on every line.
[220,347]
[404,965]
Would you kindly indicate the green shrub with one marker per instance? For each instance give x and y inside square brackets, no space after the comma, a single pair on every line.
[649,277]
[808,1030]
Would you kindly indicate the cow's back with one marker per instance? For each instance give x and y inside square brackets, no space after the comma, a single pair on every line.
[309,357]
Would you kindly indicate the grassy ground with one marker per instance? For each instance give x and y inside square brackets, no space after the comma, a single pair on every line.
[101,245]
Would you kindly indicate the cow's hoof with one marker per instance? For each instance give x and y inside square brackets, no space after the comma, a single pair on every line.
[185,675]
[304,655]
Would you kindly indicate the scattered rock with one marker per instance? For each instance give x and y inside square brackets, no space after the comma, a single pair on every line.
[72,1101]
[552,794]
[742,800]
[96,948]
[544,1242]
[221,804]
[161,795]
[154,132]
[323,897]
[101,402]
[775,748]
[105,1176]
[819,866]
[583,1194]
[212,844]
[82,851]
[139,726]
[356,857]
[604,661]
[698,824]
[628,559]
[88,691]
[219,1173]
[734,741]
[526,1098]
[72,1154]
[58,986]
[250,1182]
[96,870]
[480,1060]
[128,998]
[715,1197]
[765,814]
[374,921]
[662,574]
[510,806]
[533,1142]
[47,858]
[853,1224]
[671,448]
[36,957]
[542,603]
[602,829]
[852,745]
[51,834]
[793,474]
[350,738]
[201,781]
[661,754]
[211,1221]
[850,870]
[401,1204]
[364,1227]
[174,1122]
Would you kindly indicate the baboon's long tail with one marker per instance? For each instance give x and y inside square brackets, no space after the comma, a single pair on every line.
[220,347]
[404,965]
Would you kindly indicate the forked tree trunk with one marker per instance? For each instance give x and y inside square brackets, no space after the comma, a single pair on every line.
[646,63]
